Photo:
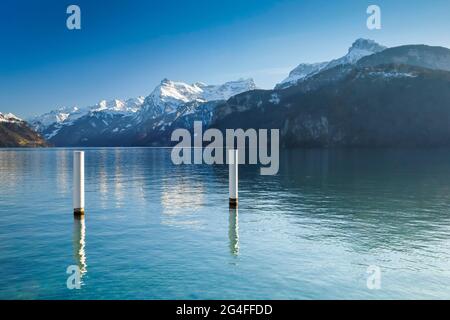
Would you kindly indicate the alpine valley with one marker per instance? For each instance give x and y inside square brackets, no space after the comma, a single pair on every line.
[373,96]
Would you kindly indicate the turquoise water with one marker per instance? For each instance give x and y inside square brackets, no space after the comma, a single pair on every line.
[154,230]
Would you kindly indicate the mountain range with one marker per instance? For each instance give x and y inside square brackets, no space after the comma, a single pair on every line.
[395,97]
[372,96]
[135,122]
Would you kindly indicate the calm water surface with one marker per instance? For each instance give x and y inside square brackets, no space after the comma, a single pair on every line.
[154,230]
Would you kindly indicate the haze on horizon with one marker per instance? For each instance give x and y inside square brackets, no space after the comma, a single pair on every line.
[124,49]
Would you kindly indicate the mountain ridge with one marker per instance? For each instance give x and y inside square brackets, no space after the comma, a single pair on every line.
[15,132]
[165,104]
[387,105]
[368,67]
[359,49]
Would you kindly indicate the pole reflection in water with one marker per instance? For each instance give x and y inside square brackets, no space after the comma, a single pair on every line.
[233,231]
[79,236]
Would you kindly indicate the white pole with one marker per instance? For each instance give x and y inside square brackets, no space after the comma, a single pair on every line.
[78,182]
[233,177]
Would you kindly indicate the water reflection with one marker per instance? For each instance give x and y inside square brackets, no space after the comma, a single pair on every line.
[367,198]
[10,163]
[119,194]
[79,243]
[346,209]
[233,231]
[180,198]
[103,178]
[62,167]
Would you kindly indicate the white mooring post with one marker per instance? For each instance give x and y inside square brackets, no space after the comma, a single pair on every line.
[78,183]
[233,177]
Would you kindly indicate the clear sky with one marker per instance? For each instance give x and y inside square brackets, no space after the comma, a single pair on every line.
[126,47]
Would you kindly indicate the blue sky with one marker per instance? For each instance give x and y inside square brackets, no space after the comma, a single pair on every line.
[125,48]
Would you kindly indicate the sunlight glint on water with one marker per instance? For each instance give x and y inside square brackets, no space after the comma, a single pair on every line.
[158,231]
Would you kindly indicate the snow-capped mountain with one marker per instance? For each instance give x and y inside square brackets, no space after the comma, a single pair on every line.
[168,102]
[322,109]
[118,106]
[169,95]
[226,90]
[9,118]
[359,49]
[55,117]
[399,96]
[50,123]
[302,71]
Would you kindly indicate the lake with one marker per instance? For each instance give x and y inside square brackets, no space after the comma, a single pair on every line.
[154,230]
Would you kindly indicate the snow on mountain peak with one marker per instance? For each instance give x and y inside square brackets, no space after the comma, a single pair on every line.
[118,106]
[367,44]
[134,104]
[227,90]
[169,95]
[113,105]
[67,115]
[168,90]
[302,71]
[359,49]
[10,118]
